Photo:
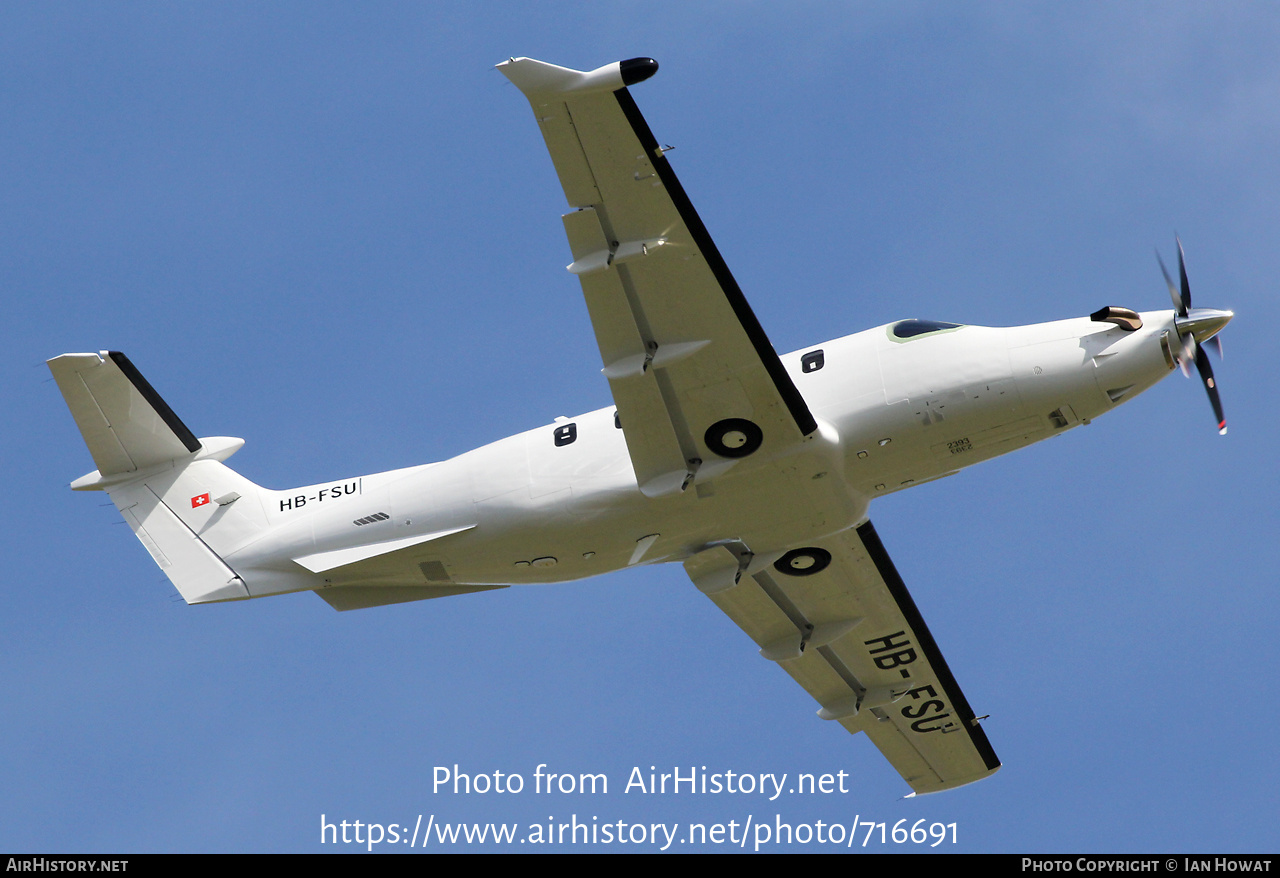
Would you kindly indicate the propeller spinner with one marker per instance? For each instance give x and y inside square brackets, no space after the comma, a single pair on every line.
[1198,328]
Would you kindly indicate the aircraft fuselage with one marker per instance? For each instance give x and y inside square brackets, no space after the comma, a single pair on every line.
[561,502]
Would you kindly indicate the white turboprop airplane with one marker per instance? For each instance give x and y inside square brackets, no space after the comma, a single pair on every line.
[755,471]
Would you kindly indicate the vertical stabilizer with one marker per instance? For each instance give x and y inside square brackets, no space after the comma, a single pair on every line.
[183,504]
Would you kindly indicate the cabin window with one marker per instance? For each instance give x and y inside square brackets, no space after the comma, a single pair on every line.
[566,434]
[812,361]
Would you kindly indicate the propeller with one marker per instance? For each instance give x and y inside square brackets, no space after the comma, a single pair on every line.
[1197,329]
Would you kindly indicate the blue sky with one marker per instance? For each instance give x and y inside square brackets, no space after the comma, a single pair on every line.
[333,230]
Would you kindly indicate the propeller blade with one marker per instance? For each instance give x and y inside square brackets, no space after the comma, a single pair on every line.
[1173,291]
[1211,386]
[1187,354]
[1182,272]
[1205,322]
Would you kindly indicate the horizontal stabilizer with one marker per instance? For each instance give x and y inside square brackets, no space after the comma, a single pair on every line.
[125,423]
[324,561]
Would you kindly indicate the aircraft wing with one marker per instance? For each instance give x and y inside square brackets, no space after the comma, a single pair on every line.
[837,617]
[697,384]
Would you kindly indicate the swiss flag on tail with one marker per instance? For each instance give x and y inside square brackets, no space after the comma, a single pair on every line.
[197,502]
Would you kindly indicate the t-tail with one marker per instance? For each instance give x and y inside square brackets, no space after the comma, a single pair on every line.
[160,476]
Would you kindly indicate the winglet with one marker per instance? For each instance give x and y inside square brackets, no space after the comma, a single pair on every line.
[540,78]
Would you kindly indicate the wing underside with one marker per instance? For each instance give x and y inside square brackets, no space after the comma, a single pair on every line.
[696,381]
[836,616]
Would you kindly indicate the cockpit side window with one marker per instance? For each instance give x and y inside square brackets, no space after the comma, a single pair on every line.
[908,329]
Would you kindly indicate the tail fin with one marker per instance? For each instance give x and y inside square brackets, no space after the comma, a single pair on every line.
[186,507]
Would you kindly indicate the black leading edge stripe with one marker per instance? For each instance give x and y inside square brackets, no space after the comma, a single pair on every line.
[185,436]
[898,590]
[755,332]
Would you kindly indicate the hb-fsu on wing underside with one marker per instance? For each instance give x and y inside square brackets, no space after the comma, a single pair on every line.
[696,380]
